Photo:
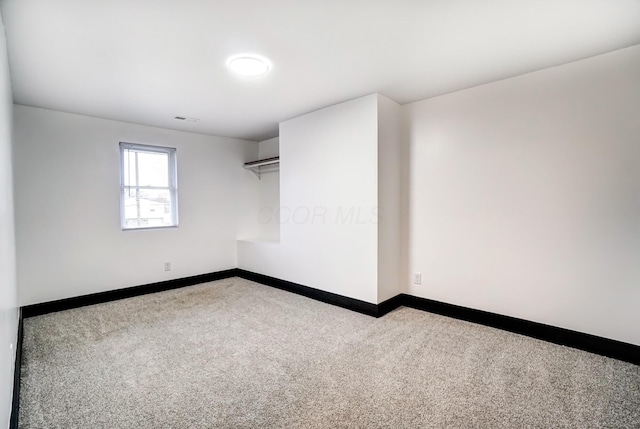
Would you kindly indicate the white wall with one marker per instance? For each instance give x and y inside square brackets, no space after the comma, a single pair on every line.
[269,188]
[69,240]
[525,196]
[390,254]
[8,294]
[328,194]
[269,148]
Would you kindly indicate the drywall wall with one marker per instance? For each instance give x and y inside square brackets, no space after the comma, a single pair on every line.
[269,148]
[328,199]
[8,293]
[389,203]
[69,240]
[269,188]
[525,196]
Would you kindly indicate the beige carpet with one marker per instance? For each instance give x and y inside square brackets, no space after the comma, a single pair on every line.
[236,354]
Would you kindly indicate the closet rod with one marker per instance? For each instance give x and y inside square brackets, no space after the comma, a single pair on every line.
[262,162]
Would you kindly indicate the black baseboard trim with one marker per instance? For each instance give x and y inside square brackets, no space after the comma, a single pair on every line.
[114,295]
[565,337]
[317,294]
[587,342]
[390,304]
[15,402]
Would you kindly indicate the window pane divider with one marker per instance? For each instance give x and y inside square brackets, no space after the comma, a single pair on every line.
[162,188]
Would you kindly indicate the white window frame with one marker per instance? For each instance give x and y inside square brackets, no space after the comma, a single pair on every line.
[172,181]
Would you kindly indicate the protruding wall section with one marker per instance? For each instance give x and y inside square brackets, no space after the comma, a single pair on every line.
[390,262]
[331,201]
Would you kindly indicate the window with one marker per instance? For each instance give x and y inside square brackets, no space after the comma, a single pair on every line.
[148,186]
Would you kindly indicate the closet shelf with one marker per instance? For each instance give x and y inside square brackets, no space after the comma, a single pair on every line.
[256,166]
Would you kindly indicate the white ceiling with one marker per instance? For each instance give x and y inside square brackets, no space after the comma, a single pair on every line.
[146,61]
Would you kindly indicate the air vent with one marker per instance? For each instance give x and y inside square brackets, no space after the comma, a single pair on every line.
[184,118]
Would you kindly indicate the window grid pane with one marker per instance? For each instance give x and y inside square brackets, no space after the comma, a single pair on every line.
[148,187]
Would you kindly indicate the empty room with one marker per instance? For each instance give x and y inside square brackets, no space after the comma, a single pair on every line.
[329,214]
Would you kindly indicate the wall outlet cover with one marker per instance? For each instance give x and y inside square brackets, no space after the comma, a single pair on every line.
[417,278]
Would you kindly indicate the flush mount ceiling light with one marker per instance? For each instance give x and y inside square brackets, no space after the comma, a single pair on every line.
[248,65]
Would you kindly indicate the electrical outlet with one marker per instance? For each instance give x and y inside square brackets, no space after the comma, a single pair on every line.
[417,278]
[167,266]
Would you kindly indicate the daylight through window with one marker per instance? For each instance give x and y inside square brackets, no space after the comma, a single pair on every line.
[148,188]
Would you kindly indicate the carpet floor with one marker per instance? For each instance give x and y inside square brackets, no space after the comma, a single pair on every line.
[236,354]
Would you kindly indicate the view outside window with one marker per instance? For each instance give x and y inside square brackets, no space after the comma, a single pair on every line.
[148,186]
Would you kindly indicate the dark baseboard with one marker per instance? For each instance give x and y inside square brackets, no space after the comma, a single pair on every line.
[317,294]
[590,343]
[565,337]
[113,295]
[390,305]
[15,403]
[587,342]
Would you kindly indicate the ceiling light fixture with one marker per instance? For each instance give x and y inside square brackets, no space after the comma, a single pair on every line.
[248,65]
